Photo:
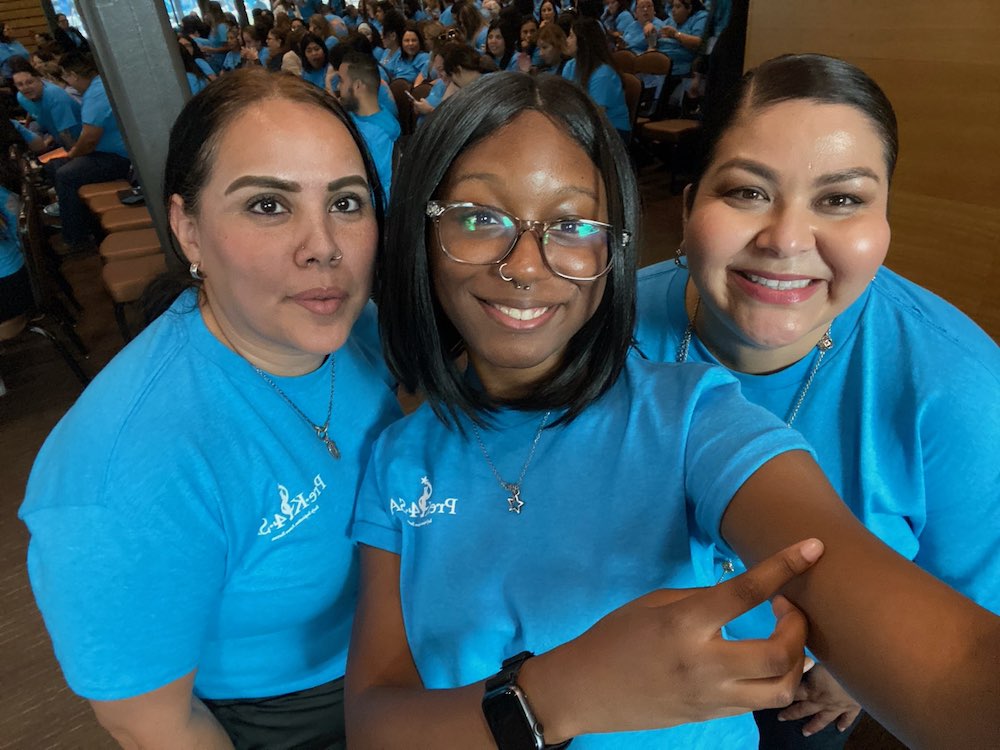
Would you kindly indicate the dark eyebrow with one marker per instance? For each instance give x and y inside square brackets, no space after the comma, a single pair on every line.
[846,175]
[274,183]
[754,167]
[497,179]
[267,182]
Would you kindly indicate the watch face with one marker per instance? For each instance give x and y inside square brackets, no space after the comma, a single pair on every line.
[509,720]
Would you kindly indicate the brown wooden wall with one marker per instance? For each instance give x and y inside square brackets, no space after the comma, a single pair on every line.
[26,17]
[940,65]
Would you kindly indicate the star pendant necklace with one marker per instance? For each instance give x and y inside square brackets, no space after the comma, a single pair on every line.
[322,430]
[514,501]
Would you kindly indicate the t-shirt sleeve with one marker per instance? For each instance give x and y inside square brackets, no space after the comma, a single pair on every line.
[95,111]
[960,440]
[374,523]
[127,576]
[729,439]
[63,115]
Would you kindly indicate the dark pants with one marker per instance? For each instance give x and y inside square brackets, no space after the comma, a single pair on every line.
[310,719]
[787,735]
[97,166]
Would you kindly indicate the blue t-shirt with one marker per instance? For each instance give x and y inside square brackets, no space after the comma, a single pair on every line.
[315,77]
[680,56]
[7,51]
[396,66]
[231,61]
[380,147]
[96,111]
[195,83]
[183,516]
[635,36]
[904,414]
[26,135]
[218,38]
[384,120]
[56,111]
[625,499]
[605,88]
[11,259]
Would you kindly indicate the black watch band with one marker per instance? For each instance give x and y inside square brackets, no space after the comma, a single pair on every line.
[508,713]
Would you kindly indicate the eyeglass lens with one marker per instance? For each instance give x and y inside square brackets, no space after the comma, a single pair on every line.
[576,248]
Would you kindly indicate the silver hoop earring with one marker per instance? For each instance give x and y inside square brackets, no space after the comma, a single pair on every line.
[195,272]
[678,254]
[500,270]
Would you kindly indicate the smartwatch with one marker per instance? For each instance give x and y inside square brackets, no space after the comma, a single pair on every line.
[507,712]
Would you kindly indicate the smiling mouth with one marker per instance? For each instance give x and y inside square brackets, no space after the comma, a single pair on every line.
[517,313]
[775,284]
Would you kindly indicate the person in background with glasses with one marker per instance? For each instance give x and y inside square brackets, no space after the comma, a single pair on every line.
[552,497]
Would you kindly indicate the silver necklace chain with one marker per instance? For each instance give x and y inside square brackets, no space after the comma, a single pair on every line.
[514,501]
[824,345]
[322,431]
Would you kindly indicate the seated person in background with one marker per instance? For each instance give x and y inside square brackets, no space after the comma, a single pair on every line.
[194,49]
[475,27]
[552,49]
[56,112]
[594,70]
[681,34]
[357,43]
[9,48]
[503,52]
[785,234]
[99,153]
[315,59]
[359,86]
[37,143]
[461,63]
[442,89]
[196,77]
[644,34]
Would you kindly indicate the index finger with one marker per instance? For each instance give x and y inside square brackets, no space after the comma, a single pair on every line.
[744,592]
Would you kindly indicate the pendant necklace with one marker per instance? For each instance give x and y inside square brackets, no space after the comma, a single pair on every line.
[514,501]
[322,431]
[824,345]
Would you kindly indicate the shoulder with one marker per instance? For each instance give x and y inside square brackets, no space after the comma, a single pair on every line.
[926,328]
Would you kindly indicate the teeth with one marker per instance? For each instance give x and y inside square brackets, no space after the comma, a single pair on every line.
[518,314]
[780,286]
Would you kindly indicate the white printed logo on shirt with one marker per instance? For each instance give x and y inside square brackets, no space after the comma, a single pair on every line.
[420,512]
[293,510]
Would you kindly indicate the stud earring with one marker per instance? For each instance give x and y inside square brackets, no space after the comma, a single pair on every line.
[195,272]
[678,255]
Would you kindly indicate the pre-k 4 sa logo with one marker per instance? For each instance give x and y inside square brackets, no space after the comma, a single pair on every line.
[421,511]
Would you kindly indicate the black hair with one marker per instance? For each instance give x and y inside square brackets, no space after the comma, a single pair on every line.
[194,26]
[304,42]
[19,65]
[415,28]
[420,342]
[591,49]
[818,78]
[195,47]
[190,66]
[362,67]
[455,55]
[194,142]
[509,43]
[394,22]
[79,62]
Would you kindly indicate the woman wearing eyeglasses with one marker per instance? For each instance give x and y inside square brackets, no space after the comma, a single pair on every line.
[545,500]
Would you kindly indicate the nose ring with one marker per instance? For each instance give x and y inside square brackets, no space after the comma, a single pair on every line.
[525,287]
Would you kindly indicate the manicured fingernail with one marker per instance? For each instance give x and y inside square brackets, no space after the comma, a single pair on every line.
[806,733]
[811,550]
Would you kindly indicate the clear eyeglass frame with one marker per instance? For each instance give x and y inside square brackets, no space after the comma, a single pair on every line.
[436,209]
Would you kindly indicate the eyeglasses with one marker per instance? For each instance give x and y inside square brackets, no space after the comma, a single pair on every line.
[448,35]
[576,249]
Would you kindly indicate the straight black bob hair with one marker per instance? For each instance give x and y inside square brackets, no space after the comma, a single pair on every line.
[818,78]
[420,342]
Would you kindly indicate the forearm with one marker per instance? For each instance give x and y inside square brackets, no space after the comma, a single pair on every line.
[909,648]
[67,140]
[81,148]
[408,717]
